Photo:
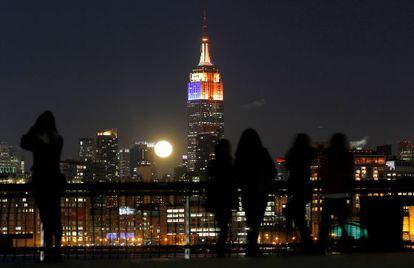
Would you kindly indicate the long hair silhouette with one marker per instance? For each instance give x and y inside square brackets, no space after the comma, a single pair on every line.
[338,143]
[249,143]
[302,140]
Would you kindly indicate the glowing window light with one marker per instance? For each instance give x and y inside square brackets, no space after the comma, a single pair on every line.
[216,78]
[198,77]
[109,132]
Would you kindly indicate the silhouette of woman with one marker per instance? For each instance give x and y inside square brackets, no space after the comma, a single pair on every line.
[48,183]
[298,162]
[336,173]
[255,172]
[222,193]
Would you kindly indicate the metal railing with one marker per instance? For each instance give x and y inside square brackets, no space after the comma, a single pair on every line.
[160,219]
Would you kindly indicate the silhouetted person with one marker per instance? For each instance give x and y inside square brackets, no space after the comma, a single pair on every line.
[255,172]
[336,173]
[222,191]
[298,162]
[46,144]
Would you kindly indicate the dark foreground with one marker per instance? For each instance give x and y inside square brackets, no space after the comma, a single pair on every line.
[336,261]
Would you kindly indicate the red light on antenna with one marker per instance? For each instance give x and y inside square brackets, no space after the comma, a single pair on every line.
[280,160]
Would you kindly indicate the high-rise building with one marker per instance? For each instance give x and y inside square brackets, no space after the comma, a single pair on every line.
[95,171]
[406,150]
[180,171]
[73,170]
[87,149]
[204,150]
[145,173]
[11,162]
[107,153]
[204,106]
[141,158]
[124,164]
[282,172]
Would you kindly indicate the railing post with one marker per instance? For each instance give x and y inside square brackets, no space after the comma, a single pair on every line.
[187,228]
[42,243]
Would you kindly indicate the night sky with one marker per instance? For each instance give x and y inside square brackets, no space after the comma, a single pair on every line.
[287,67]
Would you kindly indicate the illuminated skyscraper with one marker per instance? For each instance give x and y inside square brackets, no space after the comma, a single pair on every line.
[142,160]
[87,149]
[73,170]
[406,150]
[107,154]
[11,163]
[205,108]
[124,164]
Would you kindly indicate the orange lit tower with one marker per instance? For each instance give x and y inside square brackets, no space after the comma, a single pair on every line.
[205,108]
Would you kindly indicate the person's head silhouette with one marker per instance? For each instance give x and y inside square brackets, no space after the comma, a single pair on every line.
[46,122]
[249,141]
[338,142]
[302,140]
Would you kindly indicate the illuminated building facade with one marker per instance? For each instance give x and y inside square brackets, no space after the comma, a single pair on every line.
[87,149]
[11,164]
[142,161]
[124,164]
[107,154]
[205,108]
[369,165]
[73,170]
[180,171]
[399,169]
[408,223]
[282,172]
[94,171]
[204,150]
[406,150]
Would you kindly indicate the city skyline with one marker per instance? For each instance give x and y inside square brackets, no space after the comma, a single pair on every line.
[334,67]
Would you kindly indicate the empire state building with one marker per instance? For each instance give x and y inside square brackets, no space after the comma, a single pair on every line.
[205,108]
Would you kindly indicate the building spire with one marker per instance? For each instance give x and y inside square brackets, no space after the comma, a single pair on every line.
[205,51]
[205,28]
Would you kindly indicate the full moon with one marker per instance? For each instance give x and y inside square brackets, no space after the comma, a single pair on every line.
[163,149]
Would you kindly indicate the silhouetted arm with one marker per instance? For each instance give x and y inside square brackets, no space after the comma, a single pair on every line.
[30,141]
